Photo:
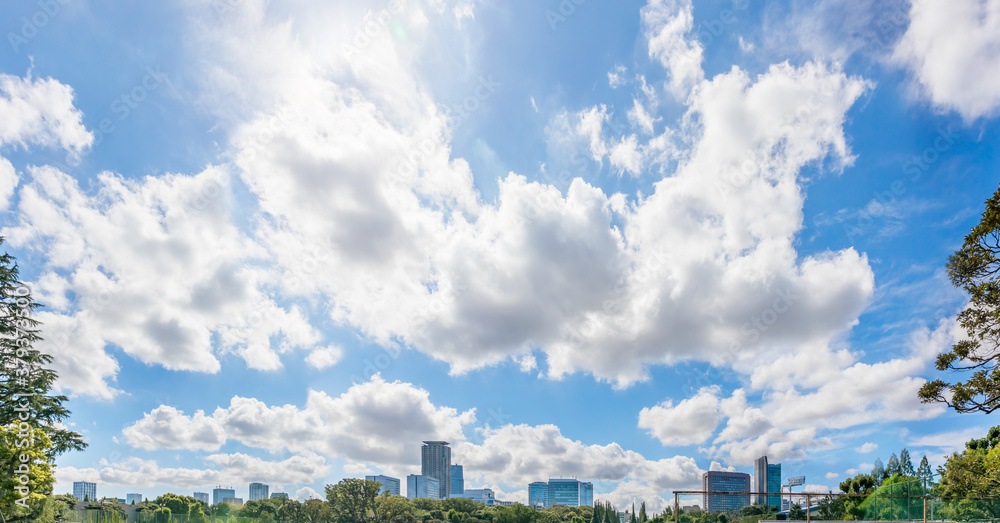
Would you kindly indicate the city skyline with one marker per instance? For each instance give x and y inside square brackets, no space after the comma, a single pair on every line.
[625,242]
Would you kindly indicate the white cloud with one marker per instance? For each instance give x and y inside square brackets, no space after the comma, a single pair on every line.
[325,357]
[691,421]
[157,269]
[667,24]
[306,493]
[374,422]
[866,448]
[8,182]
[616,77]
[832,475]
[40,112]
[948,46]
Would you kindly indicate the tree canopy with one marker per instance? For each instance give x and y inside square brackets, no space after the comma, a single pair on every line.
[975,267]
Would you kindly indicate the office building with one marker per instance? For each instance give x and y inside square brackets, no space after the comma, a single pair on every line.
[420,486]
[219,494]
[202,496]
[236,502]
[560,491]
[259,491]
[389,484]
[85,490]
[538,494]
[457,480]
[717,481]
[767,478]
[276,495]
[435,462]
[133,498]
[482,495]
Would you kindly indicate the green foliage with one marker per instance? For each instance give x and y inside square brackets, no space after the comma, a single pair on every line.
[905,463]
[25,385]
[975,267]
[878,472]
[796,513]
[892,468]
[924,469]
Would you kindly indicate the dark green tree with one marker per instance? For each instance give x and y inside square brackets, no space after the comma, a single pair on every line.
[796,513]
[924,469]
[26,380]
[905,463]
[642,513]
[975,267]
[353,500]
[632,518]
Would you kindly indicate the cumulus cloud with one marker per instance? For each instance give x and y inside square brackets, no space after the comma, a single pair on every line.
[374,422]
[157,268]
[947,47]
[691,421]
[36,111]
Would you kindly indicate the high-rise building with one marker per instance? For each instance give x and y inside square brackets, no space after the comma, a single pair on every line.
[201,496]
[586,494]
[718,481]
[457,480]
[219,494]
[767,478]
[389,484]
[435,462]
[420,486]
[133,498]
[276,495]
[85,490]
[236,502]
[538,494]
[259,491]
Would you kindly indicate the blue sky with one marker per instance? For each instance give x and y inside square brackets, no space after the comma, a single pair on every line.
[626,242]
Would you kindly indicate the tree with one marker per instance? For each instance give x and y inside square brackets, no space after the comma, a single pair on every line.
[796,513]
[975,267]
[892,468]
[353,500]
[642,513]
[905,464]
[31,480]
[924,469]
[878,472]
[632,518]
[26,385]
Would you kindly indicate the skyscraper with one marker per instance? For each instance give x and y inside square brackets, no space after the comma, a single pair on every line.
[457,480]
[420,486]
[767,478]
[389,484]
[84,490]
[259,491]
[201,496]
[435,462]
[136,498]
[718,481]
[219,494]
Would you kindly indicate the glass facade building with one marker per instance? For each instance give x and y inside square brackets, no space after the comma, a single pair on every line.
[219,494]
[538,494]
[717,481]
[202,496]
[259,491]
[420,486]
[767,478]
[85,490]
[137,498]
[558,491]
[435,462]
[389,484]
[457,480]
